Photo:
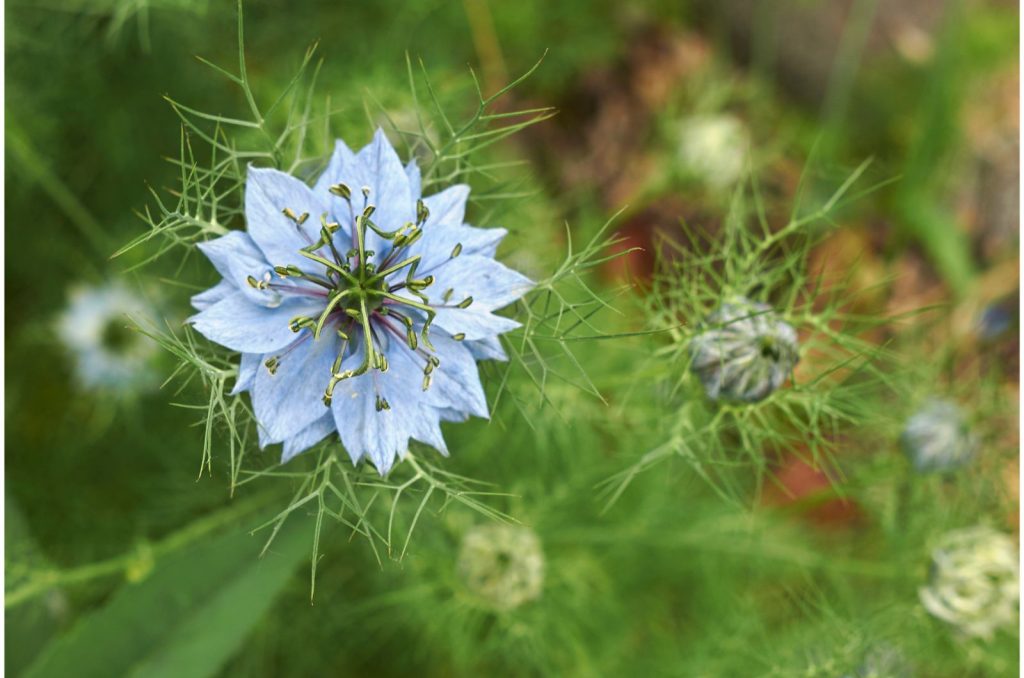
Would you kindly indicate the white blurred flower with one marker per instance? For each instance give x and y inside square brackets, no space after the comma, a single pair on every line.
[974,583]
[108,354]
[714,148]
[502,565]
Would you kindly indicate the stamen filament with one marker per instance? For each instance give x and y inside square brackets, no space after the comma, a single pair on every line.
[330,265]
[327,311]
[391,269]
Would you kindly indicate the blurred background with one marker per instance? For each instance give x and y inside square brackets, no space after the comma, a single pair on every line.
[663,107]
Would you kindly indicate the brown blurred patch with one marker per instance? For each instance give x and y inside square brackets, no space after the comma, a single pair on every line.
[990,200]
[809,493]
[598,140]
[847,264]
[805,37]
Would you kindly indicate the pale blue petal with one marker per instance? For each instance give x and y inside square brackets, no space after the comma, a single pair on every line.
[488,348]
[339,169]
[378,168]
[267,193]
[236,257]
[239,324]
[403,388]
[209,297]
[481,241]
[451,414]
[384,435]
[365,432]
[308,437]
[444,230]
[456,381]
[247,368]
[475,323]
[427,429]
[412,172]
[447,208]
[438,248]
[290,399]
[422,419]
[491,284]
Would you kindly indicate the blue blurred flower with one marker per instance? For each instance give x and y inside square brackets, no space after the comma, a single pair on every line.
[744,353]
[358,306]
[109,355]
[936,438]
[883,661]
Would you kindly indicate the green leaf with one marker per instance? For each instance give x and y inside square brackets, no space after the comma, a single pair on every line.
[29,626]
[187,617]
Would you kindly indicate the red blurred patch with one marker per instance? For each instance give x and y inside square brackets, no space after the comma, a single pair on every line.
[636,260]
[807,492]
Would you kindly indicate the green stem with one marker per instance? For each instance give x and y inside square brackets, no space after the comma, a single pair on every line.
[49,579]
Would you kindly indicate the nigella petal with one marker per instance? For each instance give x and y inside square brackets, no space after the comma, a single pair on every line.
[451,414]
[412,172]
[436,250]
[236,257]
[307,437]
[209,297]
[491,284]
[267,193]
[247,368]
[426,427]
[406,373]
[482,241]
[291,398]
[339,169]
[456,382]
[365,431]
[378,168]
[239,324]
[475,323]
[383,435]
[447,208]
[447,230]
[488,348]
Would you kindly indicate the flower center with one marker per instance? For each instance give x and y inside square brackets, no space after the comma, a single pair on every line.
[116,336]
[769,348]
[360,300]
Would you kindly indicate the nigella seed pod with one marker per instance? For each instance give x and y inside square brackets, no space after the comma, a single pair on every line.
[502,565]
[744,352]
[937,439]
[974,584]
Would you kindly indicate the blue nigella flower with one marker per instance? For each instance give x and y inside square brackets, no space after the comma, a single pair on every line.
[358,306]
[744,352]
[936,438]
